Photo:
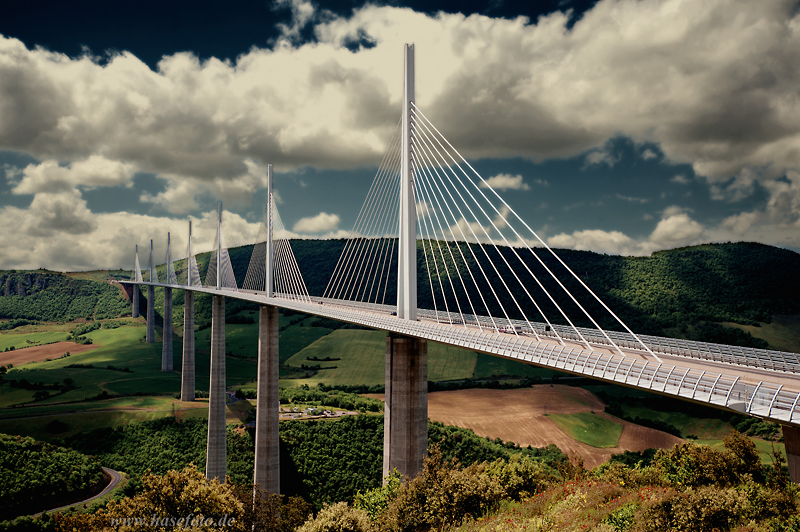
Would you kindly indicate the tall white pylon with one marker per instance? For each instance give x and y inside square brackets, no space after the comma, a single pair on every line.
[219,245]
[137,270]
[268,285]
[407,256]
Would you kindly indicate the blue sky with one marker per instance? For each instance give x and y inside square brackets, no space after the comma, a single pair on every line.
[622,126]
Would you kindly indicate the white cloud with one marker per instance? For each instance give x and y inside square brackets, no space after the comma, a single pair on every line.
[675,229]
[505,182]
[65,236]
[601,156]
[649,154]
[681,179]
[94,171]
[711,84]
[317,224]
[632,199]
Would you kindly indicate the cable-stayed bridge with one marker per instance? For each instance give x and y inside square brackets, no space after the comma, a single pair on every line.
[436,254]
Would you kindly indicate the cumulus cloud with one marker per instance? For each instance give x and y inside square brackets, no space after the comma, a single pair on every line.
[49,176]
[711,84]
[317,224]
[675,229]
[69,238]
[505,182]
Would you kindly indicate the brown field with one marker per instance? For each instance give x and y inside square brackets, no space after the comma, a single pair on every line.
[519,416]
[42,352]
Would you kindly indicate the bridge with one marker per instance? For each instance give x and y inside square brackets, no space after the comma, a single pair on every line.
[489,284]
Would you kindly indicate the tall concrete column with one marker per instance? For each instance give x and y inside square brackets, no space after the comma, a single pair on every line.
[151,315]
[216,451]
[166,336]
[267,468]
[791,438]
[150,335]
[187,363]
[405,430]
[135,300]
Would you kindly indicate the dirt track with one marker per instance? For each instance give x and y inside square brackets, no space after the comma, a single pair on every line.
[519,416]
[39,353]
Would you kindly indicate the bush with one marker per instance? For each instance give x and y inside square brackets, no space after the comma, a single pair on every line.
[339,517]
[692,465]
[443,495]
[521,477]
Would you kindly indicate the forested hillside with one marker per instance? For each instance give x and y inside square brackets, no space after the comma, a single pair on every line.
[683,292]
[670,292]
[36,476]
[49,296]
[322,461]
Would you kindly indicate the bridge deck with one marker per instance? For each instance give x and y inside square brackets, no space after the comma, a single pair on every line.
[753,383]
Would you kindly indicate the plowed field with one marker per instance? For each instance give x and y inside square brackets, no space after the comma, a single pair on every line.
[41,352]
[519,416]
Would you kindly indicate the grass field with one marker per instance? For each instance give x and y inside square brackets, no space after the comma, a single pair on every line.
[362,357]
[589,428]
[783,333]
[89,415]
[362,361]
[701,427]
[487,366]
[21,339]
[764,448]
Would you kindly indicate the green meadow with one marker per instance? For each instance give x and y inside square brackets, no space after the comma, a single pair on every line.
[589,428]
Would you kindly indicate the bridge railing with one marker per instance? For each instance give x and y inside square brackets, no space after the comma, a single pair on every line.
[727,354]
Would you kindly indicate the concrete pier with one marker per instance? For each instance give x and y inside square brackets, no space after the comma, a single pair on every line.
[405,436]
[151,315]
[267,464]
[216,451]
[791,438]
[187,362]
[166,333]
[135,301]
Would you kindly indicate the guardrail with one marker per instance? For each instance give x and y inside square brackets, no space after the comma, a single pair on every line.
[767,400]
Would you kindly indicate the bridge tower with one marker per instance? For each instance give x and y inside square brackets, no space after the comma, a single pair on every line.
[267,459]
[216,450]
[166,332]
[150,335]
[136,274]
[187,361]
[405,438]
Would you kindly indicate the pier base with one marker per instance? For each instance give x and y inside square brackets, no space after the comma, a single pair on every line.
[187,361]
[150,335]
[267,459]
[166,333]
[405,435]
[216,451]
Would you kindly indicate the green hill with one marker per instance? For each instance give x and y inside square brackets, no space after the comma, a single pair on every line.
[36,476]
[686,292]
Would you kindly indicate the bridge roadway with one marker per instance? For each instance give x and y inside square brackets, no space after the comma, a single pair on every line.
[684,369]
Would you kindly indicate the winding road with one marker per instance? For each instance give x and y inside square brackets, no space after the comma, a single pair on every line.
[116,477]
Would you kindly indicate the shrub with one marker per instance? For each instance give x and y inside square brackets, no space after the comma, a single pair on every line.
[376,501]
[521,477]
[442,495]
[339,517]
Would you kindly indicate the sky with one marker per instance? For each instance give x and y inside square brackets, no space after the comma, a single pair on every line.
[617,126]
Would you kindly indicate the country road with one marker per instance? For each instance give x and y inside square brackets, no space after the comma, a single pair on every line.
[116,477]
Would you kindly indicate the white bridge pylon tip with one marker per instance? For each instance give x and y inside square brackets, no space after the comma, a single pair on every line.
[220,270]
[273,269]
